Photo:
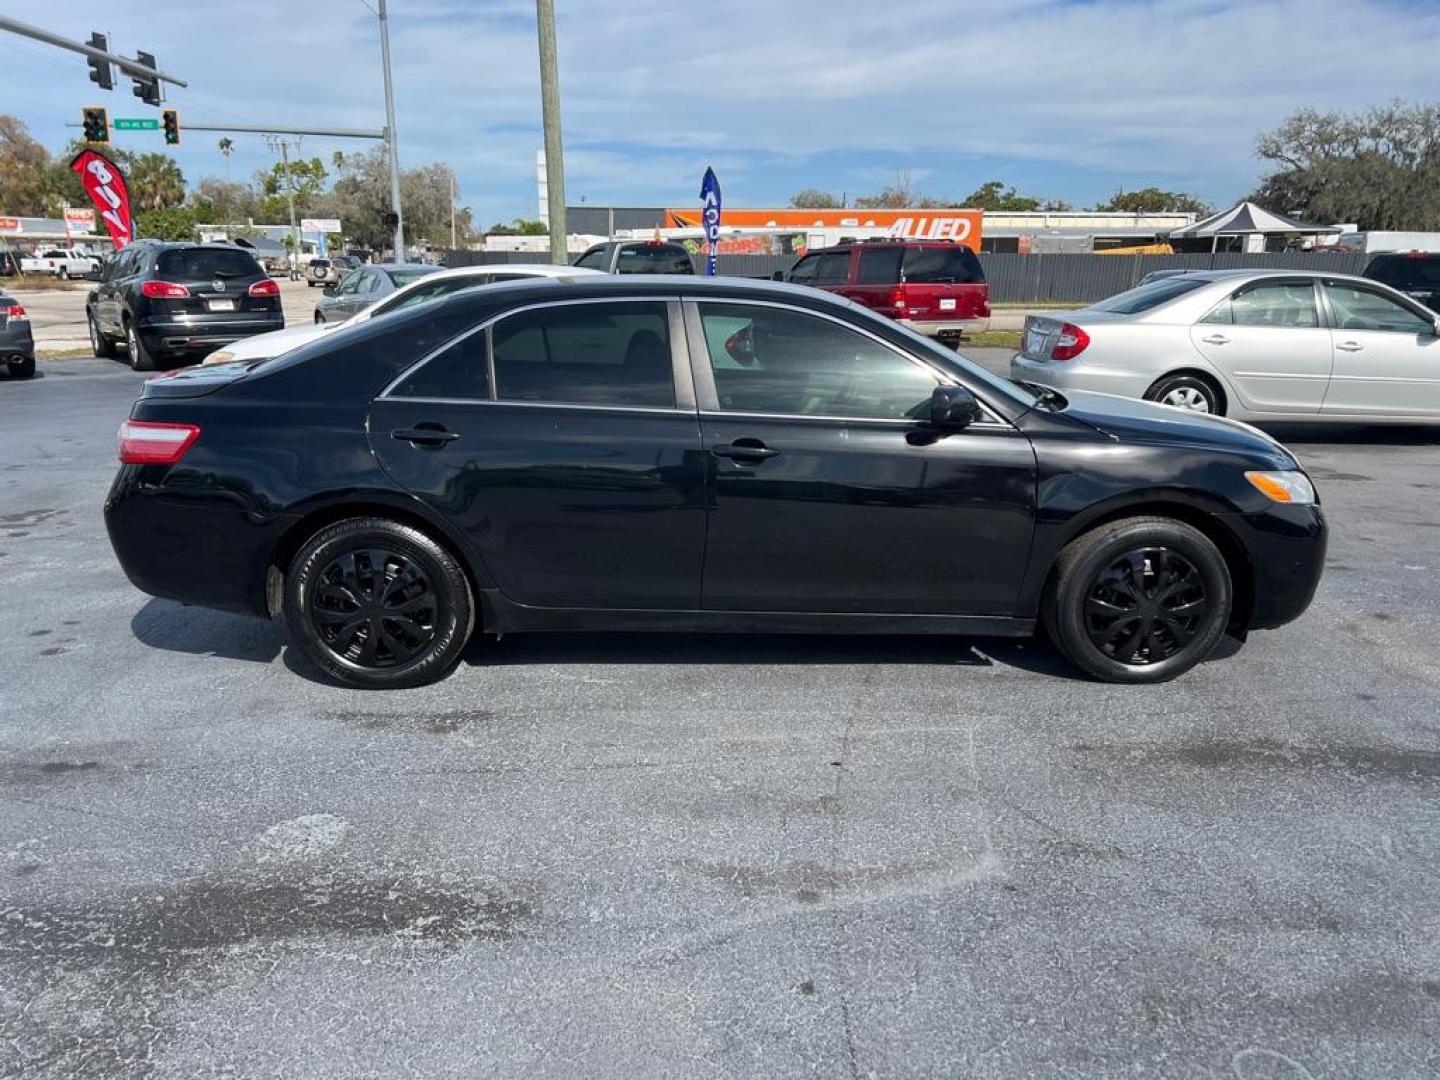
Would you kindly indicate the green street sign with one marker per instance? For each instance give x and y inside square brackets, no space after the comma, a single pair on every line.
[136,123]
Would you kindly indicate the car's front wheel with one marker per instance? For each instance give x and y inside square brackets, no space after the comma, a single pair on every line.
[1140,600]
[378,605]
[1190,392]
[100,343]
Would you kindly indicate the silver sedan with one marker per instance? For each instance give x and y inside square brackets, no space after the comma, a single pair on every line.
[1254,345]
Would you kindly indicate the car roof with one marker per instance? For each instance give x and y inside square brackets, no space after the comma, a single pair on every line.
[549,270]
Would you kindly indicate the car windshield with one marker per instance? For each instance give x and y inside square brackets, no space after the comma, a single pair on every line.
[404,275]
[1144,297]
[1406,271]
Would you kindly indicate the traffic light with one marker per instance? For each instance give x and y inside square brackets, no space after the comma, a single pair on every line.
[170,119]
[147,87]
[101,73]
[96,124]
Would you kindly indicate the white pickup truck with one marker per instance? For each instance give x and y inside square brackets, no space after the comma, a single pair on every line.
[61,262]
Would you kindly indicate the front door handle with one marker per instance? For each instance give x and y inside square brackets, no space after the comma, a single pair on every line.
[744,451]
[1216,339]
[1350,346]
[425,435]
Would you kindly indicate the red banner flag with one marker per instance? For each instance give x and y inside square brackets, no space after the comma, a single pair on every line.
[106,187]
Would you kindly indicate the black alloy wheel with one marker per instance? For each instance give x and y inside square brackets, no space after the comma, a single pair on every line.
[378,604]
[1139,600]
[374,607]
[1146,606]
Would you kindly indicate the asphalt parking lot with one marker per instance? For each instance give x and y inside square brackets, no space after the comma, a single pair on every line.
[631,856]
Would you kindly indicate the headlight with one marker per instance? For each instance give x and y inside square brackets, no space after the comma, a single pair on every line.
[1283,487]
[220,356]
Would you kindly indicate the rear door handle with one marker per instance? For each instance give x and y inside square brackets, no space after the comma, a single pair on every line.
[744,451]
[425,436]
[1350,346]
[1216,339]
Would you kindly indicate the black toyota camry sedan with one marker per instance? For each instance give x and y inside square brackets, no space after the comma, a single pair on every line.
[648,453]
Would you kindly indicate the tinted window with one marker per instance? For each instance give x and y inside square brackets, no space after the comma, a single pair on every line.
[831,268]
[1144,297]
[197,264]
[460,372]
[406,274]
[777,360]
[586,354]
[955,265]
[320,263]
[879,266]
[1357,308]
[1283,304]
[1405,272]
[359,282]
[654,259]
[594,259]
[803,272]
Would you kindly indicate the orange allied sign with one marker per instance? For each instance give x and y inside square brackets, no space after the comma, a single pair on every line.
[962,226]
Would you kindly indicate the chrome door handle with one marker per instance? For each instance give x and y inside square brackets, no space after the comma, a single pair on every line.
[1216,339]
[1350,346]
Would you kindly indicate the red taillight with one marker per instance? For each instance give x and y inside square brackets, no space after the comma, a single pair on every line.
[897,296]
[1071,342]
[163,290]
[16,313]
[143,442]
[264,288]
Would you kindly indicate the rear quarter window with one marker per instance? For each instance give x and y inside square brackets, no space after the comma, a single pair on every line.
[942,266]
[196,264]
[1144,297]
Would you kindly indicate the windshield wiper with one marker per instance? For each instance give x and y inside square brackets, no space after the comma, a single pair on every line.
[1046,395]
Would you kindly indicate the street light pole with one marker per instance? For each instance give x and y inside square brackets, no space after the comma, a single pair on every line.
[390,139]
[550,112]
[290,195]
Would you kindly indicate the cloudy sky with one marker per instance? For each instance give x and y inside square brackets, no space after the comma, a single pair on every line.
[1062,98]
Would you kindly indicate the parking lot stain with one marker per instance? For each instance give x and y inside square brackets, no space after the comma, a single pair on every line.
[124,965]
[442,723]
[1369,762]
[68,766]
[1326,474]
[54,650]
[19,523]
[807,882]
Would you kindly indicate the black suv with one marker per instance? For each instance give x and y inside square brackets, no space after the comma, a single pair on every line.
[1415,273]
[637,257]
[179,301]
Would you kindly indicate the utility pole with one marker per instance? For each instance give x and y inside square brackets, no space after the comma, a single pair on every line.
[550,111]
[452,211]
[284,145]
[390,139]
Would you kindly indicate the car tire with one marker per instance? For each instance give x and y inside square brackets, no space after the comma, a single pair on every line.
[1140,600]
[100,343]
[20,367]
[1194,393]
[336,600]
[319,319]
[141,358]
[63,273]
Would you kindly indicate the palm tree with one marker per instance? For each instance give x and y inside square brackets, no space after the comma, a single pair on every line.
[156,182]
[227,147]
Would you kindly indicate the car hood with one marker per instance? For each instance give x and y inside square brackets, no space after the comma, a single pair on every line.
[265,346]
[1129,419]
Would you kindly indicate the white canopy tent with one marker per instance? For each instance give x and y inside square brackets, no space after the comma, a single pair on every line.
[1248,221]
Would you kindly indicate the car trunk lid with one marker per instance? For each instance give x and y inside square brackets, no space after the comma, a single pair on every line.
[192,382]
[218,283]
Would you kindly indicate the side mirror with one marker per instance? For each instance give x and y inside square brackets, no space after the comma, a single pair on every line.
[778,275]
[953,408]
[329,290]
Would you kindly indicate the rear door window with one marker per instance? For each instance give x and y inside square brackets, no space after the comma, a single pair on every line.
[206,264]
[879,266]
[955,265]
[1359,308]
[1287,305]
[586,354]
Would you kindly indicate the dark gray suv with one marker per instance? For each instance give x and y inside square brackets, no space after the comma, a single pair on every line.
[17,343]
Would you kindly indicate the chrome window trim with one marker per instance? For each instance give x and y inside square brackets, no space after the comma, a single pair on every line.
[487,327]
[711,407]
[901,424]
[653,409]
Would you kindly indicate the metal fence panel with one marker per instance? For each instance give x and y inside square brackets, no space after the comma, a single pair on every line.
[1050,278]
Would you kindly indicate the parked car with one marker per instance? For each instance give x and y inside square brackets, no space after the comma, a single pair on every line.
[1255,345]
[61,263]
[936,288]
[637,257]
[419,291]
[363,287]
[1414,273]
[322,272]
[179,301]
[703,455]
[17,342]
[345,263]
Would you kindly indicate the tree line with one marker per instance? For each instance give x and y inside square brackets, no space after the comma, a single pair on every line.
[355,188]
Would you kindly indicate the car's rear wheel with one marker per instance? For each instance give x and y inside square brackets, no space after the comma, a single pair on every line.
[20,367]
[100,344]
[1140,600]
[319,319]
[1194,393]
[141,358]
[378,605]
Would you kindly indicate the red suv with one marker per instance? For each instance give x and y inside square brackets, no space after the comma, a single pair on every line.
[935,287]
